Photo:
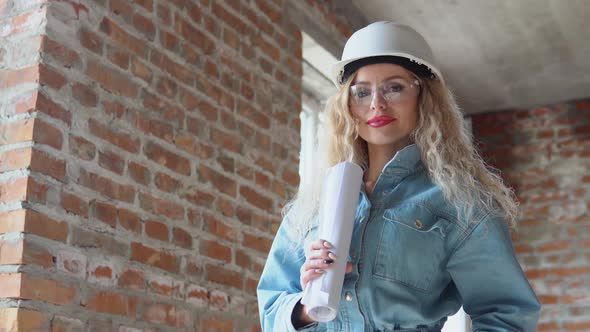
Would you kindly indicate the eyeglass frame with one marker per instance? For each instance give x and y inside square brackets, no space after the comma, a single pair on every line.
[413,82]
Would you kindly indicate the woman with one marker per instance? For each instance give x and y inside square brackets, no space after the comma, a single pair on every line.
[431,228]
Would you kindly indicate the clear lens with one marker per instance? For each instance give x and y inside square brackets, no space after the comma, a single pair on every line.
[393,90]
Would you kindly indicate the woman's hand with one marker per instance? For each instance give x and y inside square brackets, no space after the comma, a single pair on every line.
[320,258]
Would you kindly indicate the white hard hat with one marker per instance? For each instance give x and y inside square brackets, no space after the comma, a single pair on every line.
[385,39]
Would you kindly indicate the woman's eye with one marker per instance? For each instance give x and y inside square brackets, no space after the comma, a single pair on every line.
[393,88]
[361,93]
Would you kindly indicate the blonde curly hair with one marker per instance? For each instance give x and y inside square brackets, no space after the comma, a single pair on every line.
[447,152]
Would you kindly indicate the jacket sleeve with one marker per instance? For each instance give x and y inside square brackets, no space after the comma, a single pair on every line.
[279,288]
[495,292]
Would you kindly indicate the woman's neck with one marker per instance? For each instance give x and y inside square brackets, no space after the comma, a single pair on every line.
[379,156]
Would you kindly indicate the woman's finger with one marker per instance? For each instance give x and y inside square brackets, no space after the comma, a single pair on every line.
[309,276]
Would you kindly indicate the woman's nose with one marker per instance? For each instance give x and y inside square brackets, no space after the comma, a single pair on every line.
[377,101]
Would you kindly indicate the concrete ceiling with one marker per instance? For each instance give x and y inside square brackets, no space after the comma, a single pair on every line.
[501,54]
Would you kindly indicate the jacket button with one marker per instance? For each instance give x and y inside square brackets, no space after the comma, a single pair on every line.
[418,223]
[348,296]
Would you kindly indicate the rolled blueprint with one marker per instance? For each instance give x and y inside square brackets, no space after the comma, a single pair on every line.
[338,203]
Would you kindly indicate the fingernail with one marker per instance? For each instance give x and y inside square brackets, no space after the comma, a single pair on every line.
[327,245]
[328,261]
[332,256]
[319,271]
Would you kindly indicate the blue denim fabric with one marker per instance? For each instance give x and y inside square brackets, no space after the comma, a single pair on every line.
[414,264]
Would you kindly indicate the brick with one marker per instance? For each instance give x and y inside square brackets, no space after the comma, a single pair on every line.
[129,221]
[219,181]
[111,161]
[169,40]
[84,95]
[167,183]
[91,41]
[218,300]
[81,147]
[223,276]
[156,230]
[47,134]
[17,131]
[256,199]
[90,239]
[230,19]
[36,191]
[123,38]
[133,279]
[65,324]
[114,109]
[67,57]
[74,204]
[215,250]
[47,290]
[163,15]
[161,207]
[167,158]
[226,207]
[12,78]
[257,242]
[11,252]
[47,164]
[20,103]
[101,273]
[44,226]
[291,177]
[105,212]
[36,254]
[165,286]
[197,295]
[163,313]
[141,70]
[111,80]
[153,257]
[176,70]
[112,303]
[182,238]
[72,263]
[50,77]
[121,8]
[153,127]
[145,26]
[20,319]
[230,142]
[218,324]
[166,87]
[139,173]
[124,193]
[45,105]
[242,259]
[194,35]
[198,197]
[215,226]
[11,160]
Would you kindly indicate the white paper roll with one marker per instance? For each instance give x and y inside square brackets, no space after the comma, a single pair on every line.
[337,211]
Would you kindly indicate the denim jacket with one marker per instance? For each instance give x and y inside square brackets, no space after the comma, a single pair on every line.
[414,264]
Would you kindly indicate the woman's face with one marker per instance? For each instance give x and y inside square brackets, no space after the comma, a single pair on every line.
[384,101]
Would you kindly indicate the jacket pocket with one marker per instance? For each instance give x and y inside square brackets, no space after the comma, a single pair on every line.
[411,248]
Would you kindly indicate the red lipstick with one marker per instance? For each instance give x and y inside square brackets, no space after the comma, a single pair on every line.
[380,121]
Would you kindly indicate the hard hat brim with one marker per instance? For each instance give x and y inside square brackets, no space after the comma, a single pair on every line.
[338,67]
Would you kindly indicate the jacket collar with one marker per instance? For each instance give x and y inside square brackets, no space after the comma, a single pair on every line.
[405,161]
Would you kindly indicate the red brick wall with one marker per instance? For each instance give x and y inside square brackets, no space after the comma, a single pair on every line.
[544,153]
[147,148]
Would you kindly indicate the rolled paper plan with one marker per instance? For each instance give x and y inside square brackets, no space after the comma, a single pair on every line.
[338,203]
